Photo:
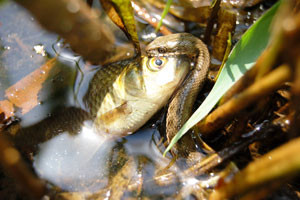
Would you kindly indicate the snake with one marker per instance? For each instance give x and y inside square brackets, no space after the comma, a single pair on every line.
[181,106]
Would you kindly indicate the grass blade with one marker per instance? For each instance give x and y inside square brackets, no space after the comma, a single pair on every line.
[163,15]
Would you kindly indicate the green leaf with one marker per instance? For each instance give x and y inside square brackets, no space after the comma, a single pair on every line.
[163,15]
[241,59]
[123,16]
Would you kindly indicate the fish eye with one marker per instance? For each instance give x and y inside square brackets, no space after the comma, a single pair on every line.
[156,63]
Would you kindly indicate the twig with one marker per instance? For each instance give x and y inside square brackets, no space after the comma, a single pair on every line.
[281,162]
[77,23]
[222,40]
[292,48]
[225,55]
[262,131]
[218,118]
[211,21]
[12,162]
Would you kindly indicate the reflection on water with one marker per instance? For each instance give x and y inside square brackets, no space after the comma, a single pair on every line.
[58,131]
[74,162]
[81,162]
[19,35]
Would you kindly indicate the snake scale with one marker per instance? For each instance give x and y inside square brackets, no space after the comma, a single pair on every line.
[180,107]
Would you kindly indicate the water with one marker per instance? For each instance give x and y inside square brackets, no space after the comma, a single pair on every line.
[81,162]
[66,151]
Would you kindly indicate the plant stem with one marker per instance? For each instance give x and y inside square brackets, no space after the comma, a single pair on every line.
[218,118]
[281,162]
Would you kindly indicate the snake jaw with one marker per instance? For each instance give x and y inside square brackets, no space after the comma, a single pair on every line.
[174,45]
[169,54]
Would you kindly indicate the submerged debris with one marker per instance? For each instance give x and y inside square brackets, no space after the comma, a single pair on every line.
[247,147]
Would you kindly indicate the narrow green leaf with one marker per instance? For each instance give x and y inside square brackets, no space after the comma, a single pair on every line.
[226,55]
[241,59]
[125,11]
[213,3]
[163,15]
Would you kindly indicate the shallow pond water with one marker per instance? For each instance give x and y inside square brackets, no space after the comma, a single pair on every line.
[55,137]
[65,150]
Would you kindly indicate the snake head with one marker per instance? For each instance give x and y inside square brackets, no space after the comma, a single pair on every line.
[172,45]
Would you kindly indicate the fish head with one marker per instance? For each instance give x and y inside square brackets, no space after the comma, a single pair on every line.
[163,74]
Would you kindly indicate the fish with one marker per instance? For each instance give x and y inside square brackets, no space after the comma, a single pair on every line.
[124,95]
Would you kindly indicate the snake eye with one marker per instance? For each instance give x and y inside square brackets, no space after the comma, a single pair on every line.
[162,50]
[156,63]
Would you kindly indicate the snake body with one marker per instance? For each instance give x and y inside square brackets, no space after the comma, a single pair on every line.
[180,107]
